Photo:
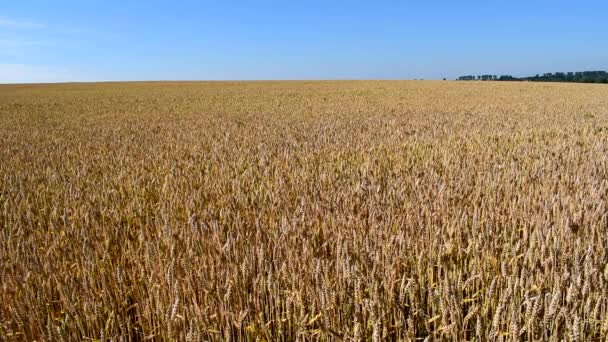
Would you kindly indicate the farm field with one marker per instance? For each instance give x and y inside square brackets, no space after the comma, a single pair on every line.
[325,210]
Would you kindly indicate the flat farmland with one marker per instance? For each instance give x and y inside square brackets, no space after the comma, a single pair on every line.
[346,210]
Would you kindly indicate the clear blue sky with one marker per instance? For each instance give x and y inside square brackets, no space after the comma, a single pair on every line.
[87,40]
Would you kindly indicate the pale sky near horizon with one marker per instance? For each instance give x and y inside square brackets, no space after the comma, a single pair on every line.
[58,41]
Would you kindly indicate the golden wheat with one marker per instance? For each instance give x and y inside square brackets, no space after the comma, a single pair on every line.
[304,211]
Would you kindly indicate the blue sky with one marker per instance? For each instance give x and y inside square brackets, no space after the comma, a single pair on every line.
[53,41]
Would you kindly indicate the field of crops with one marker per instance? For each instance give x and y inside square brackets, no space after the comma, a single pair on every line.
[304,211]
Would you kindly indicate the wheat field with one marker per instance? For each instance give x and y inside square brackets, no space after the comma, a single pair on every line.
[304,211]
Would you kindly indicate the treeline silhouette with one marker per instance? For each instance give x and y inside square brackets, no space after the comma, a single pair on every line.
[577,77]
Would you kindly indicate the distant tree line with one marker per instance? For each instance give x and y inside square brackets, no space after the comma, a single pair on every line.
[578,77]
